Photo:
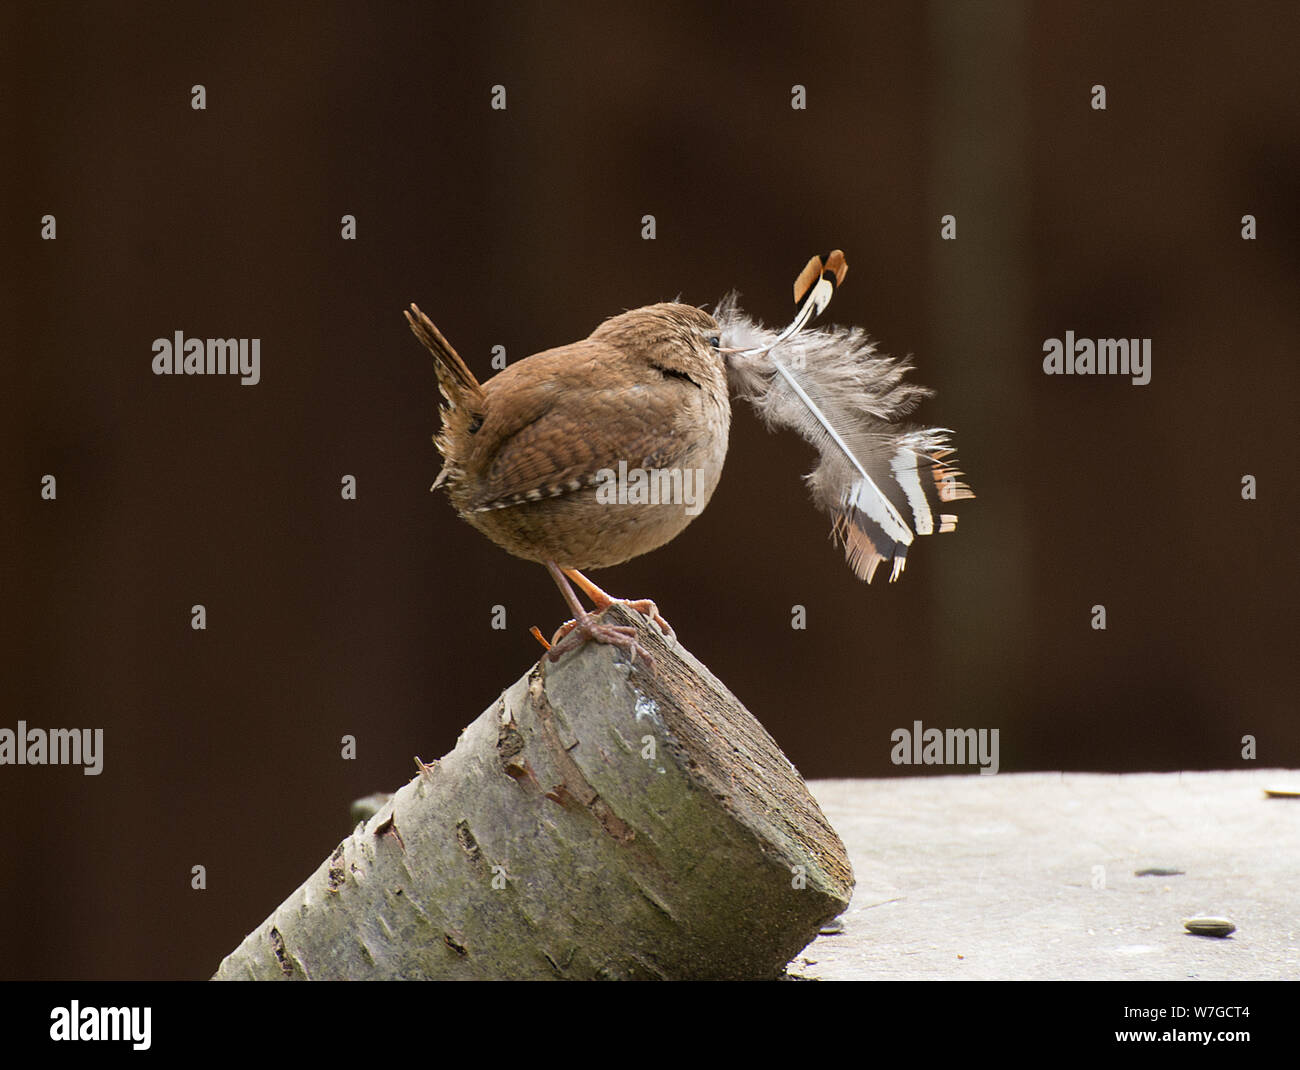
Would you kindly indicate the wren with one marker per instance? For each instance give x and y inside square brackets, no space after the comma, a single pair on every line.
[531,454]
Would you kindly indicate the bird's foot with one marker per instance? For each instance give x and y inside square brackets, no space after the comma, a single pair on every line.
[646,608]
[574,633]
[603,600]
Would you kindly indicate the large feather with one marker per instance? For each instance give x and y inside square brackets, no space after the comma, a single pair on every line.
[881,481]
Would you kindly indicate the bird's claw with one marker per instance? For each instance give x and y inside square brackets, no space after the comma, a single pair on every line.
[572,634]
[647,608]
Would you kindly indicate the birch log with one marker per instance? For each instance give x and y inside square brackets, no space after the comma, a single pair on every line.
[596,821]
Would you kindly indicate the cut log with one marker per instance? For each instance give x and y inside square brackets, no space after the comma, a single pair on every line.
[597,821]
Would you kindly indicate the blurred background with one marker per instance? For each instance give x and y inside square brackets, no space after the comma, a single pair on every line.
[522,228]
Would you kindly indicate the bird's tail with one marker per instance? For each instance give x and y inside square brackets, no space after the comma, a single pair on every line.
[455,380]
[465,400]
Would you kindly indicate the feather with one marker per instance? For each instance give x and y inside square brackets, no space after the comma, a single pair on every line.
[461,390]
[881,481]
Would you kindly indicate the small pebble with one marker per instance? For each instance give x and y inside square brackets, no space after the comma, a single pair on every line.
[832,928]
[1158,871]
[1209,926]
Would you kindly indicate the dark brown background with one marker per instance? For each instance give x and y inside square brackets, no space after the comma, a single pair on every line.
[522,229]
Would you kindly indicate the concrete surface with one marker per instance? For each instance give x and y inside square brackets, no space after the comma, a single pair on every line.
[1032,877]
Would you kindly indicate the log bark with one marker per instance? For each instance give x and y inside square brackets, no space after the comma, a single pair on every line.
[596,821]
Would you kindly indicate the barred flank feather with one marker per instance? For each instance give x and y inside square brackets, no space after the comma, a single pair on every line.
[881,482]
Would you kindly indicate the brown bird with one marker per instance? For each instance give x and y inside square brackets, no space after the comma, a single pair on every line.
[593,453]
[590,454]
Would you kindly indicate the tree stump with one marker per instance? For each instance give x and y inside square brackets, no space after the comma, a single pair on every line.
[597,821]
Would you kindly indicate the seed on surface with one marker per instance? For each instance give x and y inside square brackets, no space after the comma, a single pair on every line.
[1209,926]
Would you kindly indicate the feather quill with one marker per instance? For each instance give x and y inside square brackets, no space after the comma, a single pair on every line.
[881,481]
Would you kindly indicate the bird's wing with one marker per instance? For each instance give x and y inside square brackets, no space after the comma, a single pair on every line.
[551,426]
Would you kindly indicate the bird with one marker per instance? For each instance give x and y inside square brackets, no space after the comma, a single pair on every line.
[528,453]
[590,454]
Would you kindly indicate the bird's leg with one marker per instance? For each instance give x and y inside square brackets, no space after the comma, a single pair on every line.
[603,600]
[585,626]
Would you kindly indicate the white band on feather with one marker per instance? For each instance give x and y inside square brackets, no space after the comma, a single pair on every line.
[904,468]
[866,498]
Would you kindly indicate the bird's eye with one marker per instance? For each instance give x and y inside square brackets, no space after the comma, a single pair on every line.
[715,341]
